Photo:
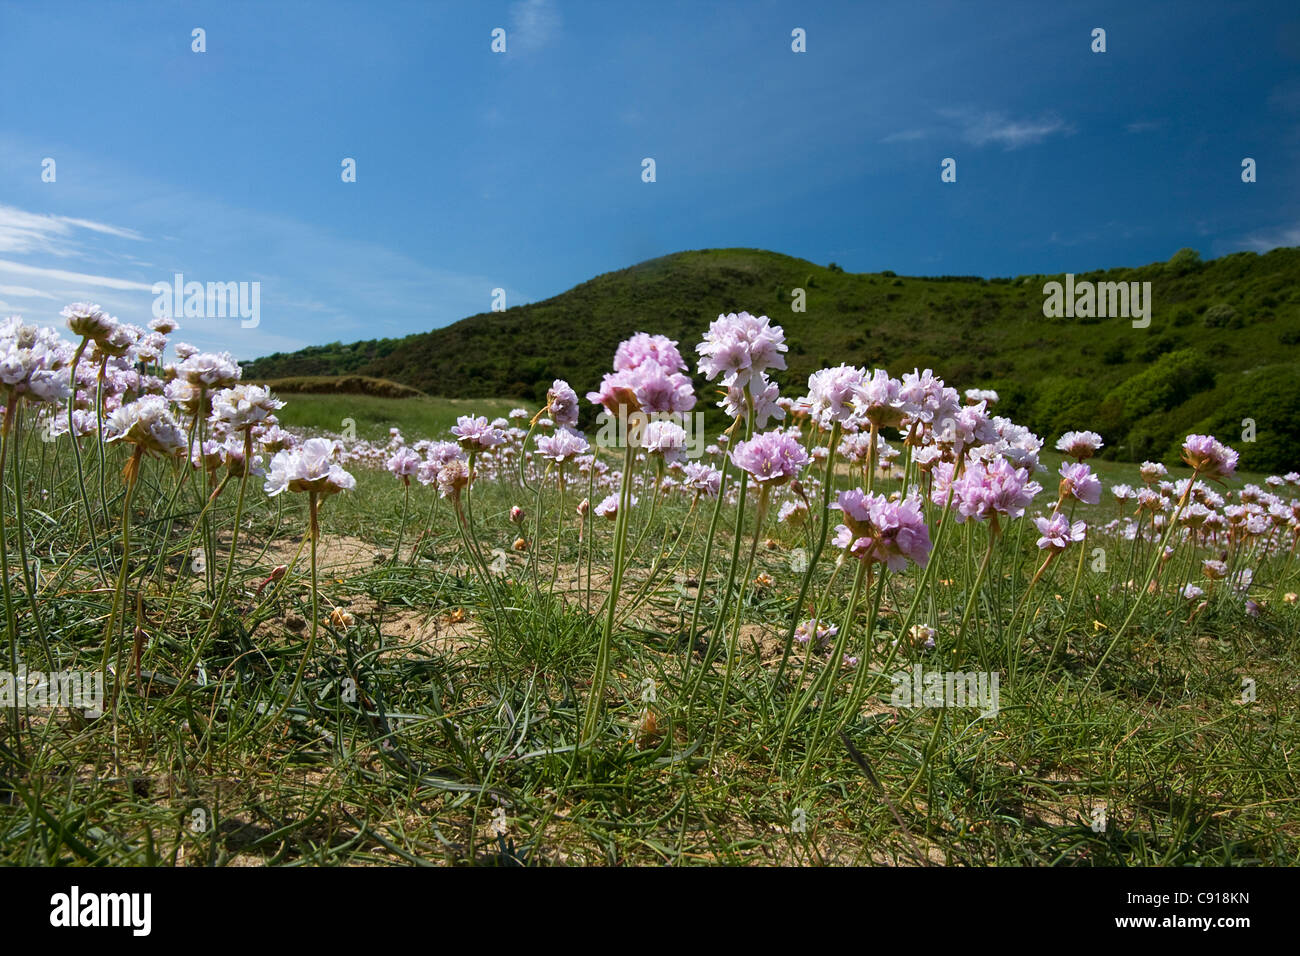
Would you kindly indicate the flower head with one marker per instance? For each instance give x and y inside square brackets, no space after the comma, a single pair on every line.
[1079,445]
[772,458]
[563,446]
[877,529]
[477,433]
[308,467]
[1209,457]
[1077,480]
[740,346]
[1057,532]
[148,424]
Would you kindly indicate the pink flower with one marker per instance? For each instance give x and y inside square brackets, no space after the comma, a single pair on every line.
[562,401]
[739,346]
[1079,445]
[985,489]
[772,458]
[1079,481]
[830,394]
[477,434]
[404,464]
[701,478]
[1209,457]
[563,446]
[879,400]
[877,529]
[1057,532]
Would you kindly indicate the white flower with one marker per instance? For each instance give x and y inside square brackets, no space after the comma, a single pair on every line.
[243,406]
[309,467]
[210,370]
[147,423]
[88,321]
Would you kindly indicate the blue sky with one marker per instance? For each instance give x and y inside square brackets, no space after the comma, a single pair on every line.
[522,170]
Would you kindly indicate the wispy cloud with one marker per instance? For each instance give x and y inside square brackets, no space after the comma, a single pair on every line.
[984,128]
[534,24]
[1265,240]
[76,278]
[22,231]
[981,129]
[1144,126]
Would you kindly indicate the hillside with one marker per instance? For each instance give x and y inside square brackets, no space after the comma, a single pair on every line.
[1223,342]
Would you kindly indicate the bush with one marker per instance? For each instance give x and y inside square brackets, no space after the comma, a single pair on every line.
[1061,404]
[1221,316]
[1183,261]
[1169,382]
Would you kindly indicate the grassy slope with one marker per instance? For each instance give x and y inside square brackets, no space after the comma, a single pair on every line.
[971,331]
[373,415]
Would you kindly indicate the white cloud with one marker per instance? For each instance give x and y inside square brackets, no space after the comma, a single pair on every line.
[25,292]
[22,231]
[1272,239]
[984,128]
[76,278]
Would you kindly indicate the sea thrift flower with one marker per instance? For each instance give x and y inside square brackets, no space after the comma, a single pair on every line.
[1152,471]
[932,400]
[33,360]
[210,370]
[404,464]
[148,424]
[88,321]
[1209,457]
[608,507]
[1079,445]
[1057,532]
[1191,592]
[772,458]
[879,400]
[562,446]
[766,398]
[477,433]
[793,512]
[830,394]
[1214,570]
[1079,481]
[516,514]
[985,490]
[1018,444]
[877,529]
[243,406]
[561,404]
[976,395]
[667,439]
[452,477]
[701,478]
[739,346]
[309,467]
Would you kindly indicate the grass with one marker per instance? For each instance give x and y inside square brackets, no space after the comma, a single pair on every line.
[374,415]
[438,718]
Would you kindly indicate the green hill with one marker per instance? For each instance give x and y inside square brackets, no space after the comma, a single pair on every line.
[1224,336]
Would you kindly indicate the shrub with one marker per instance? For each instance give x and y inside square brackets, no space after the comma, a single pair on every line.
[1170,381]
[1221,316]
[1183,261]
